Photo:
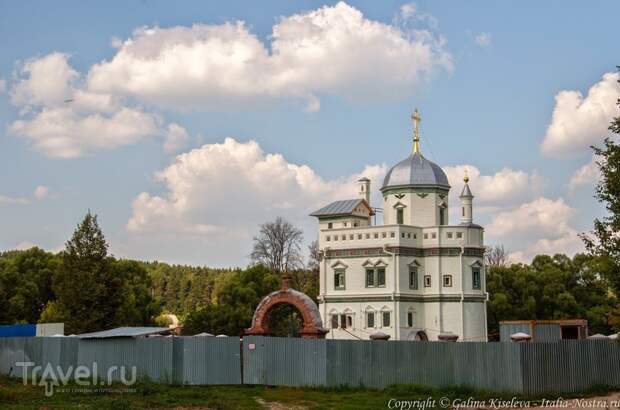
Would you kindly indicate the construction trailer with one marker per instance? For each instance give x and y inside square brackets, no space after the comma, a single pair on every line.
[544,330]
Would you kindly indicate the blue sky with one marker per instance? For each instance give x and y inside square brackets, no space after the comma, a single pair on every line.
[327,85]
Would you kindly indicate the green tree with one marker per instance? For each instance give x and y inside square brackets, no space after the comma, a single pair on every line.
[606,240]
[235,304]
[94,291]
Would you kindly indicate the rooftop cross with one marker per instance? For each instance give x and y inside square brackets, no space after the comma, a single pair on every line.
[415,117]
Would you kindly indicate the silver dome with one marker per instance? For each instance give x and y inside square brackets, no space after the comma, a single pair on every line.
[415,170]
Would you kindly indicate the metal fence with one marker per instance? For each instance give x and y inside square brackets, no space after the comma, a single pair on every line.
[527,368]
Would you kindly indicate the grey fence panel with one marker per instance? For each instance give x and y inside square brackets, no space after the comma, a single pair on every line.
[11,352]
[284,362]
[115,358]
[488,366]
[210,360]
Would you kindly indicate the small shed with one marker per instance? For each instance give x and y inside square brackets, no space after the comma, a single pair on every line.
[545,330]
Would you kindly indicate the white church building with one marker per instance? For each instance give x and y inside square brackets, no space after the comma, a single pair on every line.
[414,277]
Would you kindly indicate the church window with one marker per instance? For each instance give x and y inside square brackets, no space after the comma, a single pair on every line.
[425,236]
[409,235]
[370,278]
[386,319]
[459,235]
[330,225]
[434,235]
[339,279]
[367,236]
[392,234]
[327,238]
[344,237]
[376,235]
[349,321]
[355,224]
[383,235]
[351,237]
[400,216]
[335,237]
[381,277]
[413,277]
[344,224]
[427,281]
[475,278]
[463,211]
[370,319]
[343,321]
[415,236]
[402,235]
[447,281]
[375,277]
[442,216]
[449,235]
[334,321]
[359,236]
[410,319]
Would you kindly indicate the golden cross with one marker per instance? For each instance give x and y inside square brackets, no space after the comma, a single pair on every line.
[415,117]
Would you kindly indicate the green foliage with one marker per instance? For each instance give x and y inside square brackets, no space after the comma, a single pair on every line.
[553,288]
[235,303]
[94,291]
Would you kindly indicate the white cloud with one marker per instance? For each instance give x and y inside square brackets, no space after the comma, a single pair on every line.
[332,50]
[588,174]
[16,200]
[64,120]
[222,192]
[41,192]
[483,39]
[579,122]
[64,133]
[501,189]
[176,138]
[2,85]
[542,226]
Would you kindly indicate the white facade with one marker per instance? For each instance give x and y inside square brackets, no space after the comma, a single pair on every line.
[415,276]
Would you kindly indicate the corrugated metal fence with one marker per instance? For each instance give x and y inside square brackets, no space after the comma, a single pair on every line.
[528,368]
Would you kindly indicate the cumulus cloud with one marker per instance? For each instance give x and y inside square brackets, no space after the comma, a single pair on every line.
[224,191]
[588,174]
[176,138]
[492,192]
[579,122]
[542,226]
[332,50]
[41,192]
[483,39]
[64,120]
[2,85]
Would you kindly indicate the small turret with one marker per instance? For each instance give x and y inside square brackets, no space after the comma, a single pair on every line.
[466,202]
[364,189]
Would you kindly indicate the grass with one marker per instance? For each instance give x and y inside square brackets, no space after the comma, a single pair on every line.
[14,395]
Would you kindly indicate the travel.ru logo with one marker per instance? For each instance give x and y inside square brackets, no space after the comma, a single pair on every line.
[51,377]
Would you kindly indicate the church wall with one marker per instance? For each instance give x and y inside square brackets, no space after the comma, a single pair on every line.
[475,329]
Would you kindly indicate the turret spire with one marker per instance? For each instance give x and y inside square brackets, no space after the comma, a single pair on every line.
[415,117]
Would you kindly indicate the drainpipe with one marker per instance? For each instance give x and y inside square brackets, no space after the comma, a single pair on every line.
[462,294]
[323,283]
[396,311]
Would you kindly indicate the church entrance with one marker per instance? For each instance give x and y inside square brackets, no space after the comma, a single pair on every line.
[287,312]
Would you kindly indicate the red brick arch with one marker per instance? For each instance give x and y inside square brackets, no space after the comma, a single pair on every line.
[312,324]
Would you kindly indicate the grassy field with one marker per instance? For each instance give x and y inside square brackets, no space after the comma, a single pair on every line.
[14,395]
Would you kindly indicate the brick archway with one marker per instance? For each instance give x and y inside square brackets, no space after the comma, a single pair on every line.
[312,323]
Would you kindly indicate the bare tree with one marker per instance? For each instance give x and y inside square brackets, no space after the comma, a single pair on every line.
[314,257]
[278,246]
[496,256]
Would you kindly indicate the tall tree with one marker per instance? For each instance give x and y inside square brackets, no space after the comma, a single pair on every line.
[278,246]
[606,240]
